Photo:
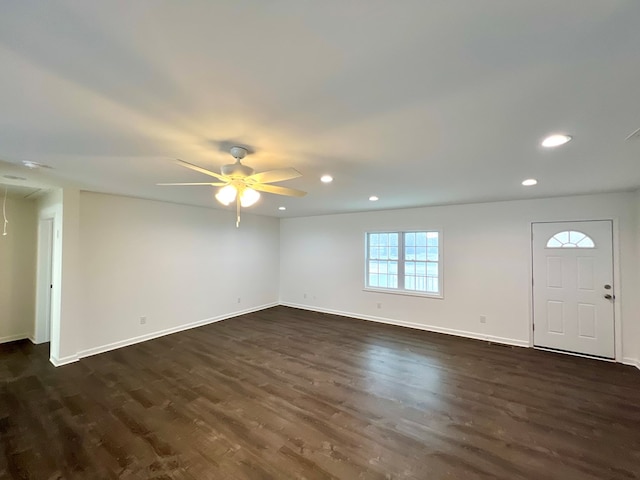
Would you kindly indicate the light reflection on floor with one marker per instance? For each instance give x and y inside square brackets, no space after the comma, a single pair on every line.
[408,377]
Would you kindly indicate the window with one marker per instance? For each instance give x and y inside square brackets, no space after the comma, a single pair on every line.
[570,239]
[404,262]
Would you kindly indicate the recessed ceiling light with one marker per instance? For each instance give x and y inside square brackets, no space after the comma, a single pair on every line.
[529,182]
[282,208]
[13,177]
[556,140]
[34,165]
[326,179]
[373,198]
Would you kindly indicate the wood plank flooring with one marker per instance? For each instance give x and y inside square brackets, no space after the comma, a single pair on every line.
[285,393]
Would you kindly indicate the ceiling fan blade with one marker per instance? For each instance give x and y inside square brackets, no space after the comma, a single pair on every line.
[279,175]
[290,192]
[200,169]
[213,184]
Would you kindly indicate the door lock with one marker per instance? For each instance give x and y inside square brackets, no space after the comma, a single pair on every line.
[609,297]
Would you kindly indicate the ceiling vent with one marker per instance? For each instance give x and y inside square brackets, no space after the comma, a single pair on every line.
[634,136]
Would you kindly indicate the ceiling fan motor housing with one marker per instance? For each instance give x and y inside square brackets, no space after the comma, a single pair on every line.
[236,170]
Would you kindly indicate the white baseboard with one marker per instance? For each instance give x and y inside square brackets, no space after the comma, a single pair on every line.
[58,362]
[161,333]
[13,338]
[631,361]
[417,326]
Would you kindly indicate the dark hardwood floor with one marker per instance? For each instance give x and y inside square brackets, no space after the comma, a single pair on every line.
[285,393]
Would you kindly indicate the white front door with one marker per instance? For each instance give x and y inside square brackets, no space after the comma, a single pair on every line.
[573,291]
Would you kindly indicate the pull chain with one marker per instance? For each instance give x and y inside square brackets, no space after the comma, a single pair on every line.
[4,212]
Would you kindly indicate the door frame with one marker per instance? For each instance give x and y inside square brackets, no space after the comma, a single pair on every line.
[617,314]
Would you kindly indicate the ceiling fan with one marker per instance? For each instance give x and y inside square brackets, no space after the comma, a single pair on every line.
[239,183]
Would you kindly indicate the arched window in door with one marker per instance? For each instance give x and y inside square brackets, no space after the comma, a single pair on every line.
[570,239]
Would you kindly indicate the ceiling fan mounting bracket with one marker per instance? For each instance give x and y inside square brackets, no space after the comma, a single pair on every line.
[238,152]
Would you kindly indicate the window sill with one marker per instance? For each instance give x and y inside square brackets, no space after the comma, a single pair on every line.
[410,293]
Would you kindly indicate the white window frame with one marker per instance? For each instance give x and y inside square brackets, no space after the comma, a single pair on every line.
[401,260]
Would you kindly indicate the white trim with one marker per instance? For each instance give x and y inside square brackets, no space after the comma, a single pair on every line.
[410,293]
[617,284]
[574,354]
[13,338]
[417,326]
[58,362]
[631,361]
[161,333]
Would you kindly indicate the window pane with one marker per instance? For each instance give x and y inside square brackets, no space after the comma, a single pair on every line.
[432,269]
[373,252]
[421,239]
[570,239]
[383,253]
[432,239]
[393,239]
[553,243]
[373,239]
[421,284]
[382,267]
[410,239]
[373,267]
[586,242]
[410,253]
[373,280]
[409,282]
[393,253]
[382,280]
[575,237]
[393,268]
[384,239]
[393,281]
[409,268]
[421,268]
[432,253]
[432,284]
[421,253]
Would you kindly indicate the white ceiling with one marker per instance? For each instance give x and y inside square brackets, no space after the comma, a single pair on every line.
[22,192]
[417,102]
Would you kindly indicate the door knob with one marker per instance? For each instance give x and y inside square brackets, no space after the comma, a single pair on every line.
[609,297]
[607,287]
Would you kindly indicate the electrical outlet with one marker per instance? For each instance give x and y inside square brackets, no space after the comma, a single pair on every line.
[143,320]
[483,319]
[379,305]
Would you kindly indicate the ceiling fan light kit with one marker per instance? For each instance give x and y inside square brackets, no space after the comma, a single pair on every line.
[240,184]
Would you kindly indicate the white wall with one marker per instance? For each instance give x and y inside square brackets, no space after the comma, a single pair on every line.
[179,266]
[487,258]
[17,270]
